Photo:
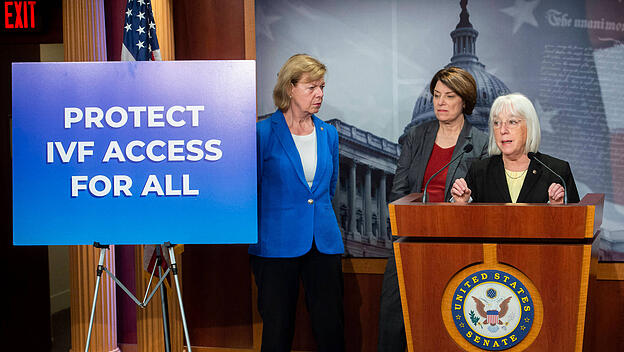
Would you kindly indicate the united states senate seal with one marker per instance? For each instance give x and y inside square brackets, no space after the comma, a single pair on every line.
[492,309]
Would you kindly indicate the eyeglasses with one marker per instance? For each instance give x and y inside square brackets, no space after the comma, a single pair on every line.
[511,123]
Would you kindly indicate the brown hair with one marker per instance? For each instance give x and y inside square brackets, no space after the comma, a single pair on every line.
[460,82]
[292,71]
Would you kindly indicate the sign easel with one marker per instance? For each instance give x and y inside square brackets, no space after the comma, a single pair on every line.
[134,153]
[146,299]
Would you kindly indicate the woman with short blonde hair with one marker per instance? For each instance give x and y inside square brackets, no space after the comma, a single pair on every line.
[298,235]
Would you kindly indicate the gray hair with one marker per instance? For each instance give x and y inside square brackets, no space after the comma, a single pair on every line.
[516,105]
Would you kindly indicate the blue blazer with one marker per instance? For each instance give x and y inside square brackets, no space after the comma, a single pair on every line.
[290,213]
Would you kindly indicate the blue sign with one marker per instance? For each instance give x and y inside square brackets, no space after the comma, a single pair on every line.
[134,152]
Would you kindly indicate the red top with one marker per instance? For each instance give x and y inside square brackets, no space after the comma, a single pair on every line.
[439,157]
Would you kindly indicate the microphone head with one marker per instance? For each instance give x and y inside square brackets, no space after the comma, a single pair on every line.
[531,155]
[468,148]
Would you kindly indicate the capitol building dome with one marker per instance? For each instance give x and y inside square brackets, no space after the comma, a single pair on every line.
[489,87]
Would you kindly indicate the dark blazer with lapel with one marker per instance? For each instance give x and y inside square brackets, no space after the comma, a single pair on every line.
[290,213]
[416,150]
[486,179]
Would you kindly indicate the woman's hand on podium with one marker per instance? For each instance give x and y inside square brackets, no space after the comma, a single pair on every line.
[555,193]
[460,191]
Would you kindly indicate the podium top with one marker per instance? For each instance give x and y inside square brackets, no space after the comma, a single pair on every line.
[579,221]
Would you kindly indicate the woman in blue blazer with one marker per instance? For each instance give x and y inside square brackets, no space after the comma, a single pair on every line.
[298,235]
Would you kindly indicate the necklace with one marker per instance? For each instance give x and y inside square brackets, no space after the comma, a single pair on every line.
[516,177]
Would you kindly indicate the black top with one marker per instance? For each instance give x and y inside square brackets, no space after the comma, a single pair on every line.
[486,179]
[416,150]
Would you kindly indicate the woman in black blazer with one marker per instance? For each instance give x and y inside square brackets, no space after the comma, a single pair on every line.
[513,172]
[424,150]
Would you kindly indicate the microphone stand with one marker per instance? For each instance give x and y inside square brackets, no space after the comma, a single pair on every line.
[532,156]
[467,149]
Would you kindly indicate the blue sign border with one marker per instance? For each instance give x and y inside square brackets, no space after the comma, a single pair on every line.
[223,211]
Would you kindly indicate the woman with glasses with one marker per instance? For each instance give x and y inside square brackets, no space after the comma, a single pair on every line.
[509,175]
[425,149]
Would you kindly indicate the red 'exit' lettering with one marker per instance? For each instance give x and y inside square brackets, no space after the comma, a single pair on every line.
[19,14]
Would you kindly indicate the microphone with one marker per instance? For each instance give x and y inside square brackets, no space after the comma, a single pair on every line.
[467,149]
[532,156]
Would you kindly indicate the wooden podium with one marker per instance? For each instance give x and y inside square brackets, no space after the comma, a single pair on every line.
[495,277]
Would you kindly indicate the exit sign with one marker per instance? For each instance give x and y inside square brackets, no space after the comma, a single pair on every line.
[20,16]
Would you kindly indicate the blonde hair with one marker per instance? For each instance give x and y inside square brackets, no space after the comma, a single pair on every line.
[517,105]
[292,71]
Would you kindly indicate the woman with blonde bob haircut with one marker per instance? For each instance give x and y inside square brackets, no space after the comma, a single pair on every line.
[513,172]
[299,240]
[291,73]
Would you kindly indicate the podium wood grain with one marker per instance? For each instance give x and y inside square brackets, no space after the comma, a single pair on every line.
[551,245]
[429,267]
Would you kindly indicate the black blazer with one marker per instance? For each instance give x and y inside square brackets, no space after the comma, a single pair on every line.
[486,179]
[416,150]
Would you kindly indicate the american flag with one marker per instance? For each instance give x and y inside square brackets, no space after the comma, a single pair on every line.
[141,44]
[139,40]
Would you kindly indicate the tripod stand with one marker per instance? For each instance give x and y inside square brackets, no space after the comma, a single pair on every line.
[173,269]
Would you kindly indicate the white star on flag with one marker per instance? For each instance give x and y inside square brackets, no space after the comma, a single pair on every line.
[522,12]
[545,117]
[266,21]
[137,35]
